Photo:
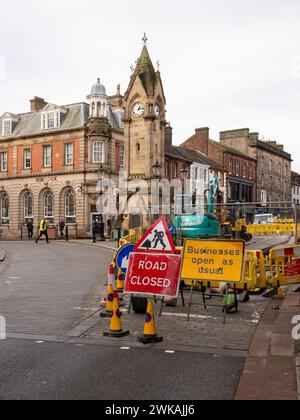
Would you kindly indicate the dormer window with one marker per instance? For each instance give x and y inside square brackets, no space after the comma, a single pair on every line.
[52,119]
[7,128]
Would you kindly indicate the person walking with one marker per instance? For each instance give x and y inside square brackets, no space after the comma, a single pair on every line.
[43,231]
[62,228]
[30,229]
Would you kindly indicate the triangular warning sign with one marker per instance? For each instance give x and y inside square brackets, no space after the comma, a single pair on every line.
[158,239]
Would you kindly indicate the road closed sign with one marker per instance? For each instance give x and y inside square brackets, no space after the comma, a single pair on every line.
[153,274]
[215,261]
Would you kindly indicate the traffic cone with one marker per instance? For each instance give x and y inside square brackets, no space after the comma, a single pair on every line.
[120,281]
[116,330]
[150,334]
[109,300]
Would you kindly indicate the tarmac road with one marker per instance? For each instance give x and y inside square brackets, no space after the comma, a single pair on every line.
[64,371]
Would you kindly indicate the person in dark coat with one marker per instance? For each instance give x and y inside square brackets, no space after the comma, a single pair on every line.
[30,229]
[62,227]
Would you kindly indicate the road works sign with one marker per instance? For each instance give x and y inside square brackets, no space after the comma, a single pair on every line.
[218,261]
[154,274]
[158,239]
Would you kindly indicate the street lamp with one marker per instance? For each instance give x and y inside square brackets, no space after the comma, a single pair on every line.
[184,176]
[156,172]
[101,173]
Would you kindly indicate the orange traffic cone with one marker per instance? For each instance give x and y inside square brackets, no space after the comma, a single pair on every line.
[109,300]
[116,330]
[120,281]
[150,334]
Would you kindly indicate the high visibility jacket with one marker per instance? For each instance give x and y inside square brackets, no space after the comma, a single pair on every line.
[43,225]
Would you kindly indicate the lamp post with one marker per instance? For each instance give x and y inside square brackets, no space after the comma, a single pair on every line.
[184,176]
[156,173]
[101,173]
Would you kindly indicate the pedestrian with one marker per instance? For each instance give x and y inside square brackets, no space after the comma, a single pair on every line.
[30,229]
[62,228]
[43,231]
[110,224]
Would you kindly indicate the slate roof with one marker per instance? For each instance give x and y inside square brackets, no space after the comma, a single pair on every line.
[232,150]
[76,117]
[191,156]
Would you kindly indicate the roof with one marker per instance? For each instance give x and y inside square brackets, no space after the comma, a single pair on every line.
[191,156]
[76,116]
[232,150]
[146,73]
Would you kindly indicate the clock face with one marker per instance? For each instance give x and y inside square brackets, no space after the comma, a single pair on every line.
[138,110]
[157,111]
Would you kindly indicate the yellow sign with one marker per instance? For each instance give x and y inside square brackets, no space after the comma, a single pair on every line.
[218,261]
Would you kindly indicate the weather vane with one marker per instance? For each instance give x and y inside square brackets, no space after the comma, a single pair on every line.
[145,39]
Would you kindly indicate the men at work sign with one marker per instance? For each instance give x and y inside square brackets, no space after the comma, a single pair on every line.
[221,261]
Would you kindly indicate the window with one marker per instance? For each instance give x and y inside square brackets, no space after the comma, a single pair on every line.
[28,207]
[122,155]
[6,128]
[47,156]
[205,175]
[52,119]
[237,168]
[98,152]
[196,174]
[69,154]
[244,171]
[70,207]
[27,159]
[48,205]
[4,203]
[250,171]
[175,169]
[230,167]
[3,162]
[167,168]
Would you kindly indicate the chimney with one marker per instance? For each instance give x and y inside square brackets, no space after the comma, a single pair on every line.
[36,104]
[118,90]
[169,136]
[201,140]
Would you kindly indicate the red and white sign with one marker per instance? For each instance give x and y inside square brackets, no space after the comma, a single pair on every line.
[153,274]
[293,269]
[157,240]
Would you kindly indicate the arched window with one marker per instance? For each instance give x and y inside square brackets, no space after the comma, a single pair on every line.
[98,109]
[49,206]
[138,148]
[28,207]
[4,204]
[70,207]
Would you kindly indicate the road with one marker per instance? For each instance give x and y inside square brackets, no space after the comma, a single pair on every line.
[46,291]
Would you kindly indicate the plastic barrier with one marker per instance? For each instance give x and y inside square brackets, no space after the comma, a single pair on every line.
[255,271]
[285,266]
[271,229]
[133,237]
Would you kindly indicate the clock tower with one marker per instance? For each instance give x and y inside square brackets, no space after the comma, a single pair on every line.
[144,120]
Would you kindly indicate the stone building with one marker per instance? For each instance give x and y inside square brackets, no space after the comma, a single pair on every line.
[50,158]
[239,167]
[273,164]
[295,188]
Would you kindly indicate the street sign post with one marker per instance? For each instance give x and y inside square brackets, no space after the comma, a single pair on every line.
[122,258]
[213,261]
[153,274]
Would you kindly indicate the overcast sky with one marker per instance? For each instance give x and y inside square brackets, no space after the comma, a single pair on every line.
[225,64]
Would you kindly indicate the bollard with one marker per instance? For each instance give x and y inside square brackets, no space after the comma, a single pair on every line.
[67,233]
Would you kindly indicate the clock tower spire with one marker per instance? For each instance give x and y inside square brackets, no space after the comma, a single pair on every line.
[144,121]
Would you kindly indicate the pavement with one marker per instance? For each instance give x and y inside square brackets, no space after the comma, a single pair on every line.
[272,368]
